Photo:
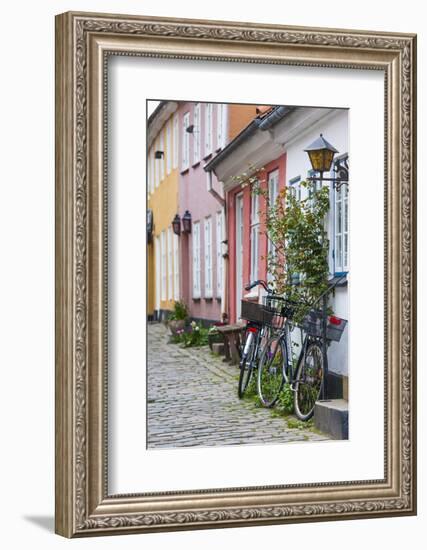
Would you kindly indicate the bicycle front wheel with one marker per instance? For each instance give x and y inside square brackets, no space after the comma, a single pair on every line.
[309,382]
[271,371]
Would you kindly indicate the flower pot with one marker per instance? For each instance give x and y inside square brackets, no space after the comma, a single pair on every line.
[176,325]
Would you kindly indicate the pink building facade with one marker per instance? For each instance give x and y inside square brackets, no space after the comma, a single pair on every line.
[204,130]
[248,245]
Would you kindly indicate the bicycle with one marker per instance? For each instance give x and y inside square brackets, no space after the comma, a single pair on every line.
[275,367]
[257,332]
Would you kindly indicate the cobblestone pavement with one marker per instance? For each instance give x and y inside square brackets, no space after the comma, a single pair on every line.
[192,401]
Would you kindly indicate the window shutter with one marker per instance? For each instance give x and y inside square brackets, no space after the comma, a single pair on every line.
[196,260]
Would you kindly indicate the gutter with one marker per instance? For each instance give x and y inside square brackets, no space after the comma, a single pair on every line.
[244,134]
[274,117]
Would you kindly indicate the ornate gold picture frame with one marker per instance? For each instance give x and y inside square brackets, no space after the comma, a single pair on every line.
[84,42]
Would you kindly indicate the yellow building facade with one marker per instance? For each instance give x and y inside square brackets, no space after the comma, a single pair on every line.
[163,270]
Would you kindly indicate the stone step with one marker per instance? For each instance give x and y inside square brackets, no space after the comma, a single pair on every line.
[331,417]
[218,348]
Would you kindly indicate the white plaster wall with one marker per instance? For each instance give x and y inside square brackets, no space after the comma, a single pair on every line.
[334,128]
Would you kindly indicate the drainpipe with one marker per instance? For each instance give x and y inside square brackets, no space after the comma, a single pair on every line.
[224,247]
[224,255]
[212,191]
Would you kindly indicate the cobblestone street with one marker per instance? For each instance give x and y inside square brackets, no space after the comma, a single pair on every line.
[192,401]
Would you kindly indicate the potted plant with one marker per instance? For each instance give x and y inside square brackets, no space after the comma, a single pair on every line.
[178,317]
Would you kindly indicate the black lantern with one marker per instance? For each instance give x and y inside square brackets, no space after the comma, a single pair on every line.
[186,222]
[321,154]
[176,225]
[158,154]
[149,226]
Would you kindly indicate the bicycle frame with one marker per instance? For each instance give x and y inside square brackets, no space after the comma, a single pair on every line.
[284,337]
[255,331]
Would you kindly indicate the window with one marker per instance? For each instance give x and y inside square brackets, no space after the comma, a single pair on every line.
[168,151]
[149,173]
[273,192]
[221,110]
[208,257]
[175,141]
[196,260]
[152,169]
[175,266]
[341,229]
[208,129]
[162,160]
[163,263]
[170,265]
[219,258]
[196,134]
[157,164]
[254,237]
[185,142]
[294,187]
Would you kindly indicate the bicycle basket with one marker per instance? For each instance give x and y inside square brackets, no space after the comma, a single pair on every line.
[252,311]
[312,325]
[276,311]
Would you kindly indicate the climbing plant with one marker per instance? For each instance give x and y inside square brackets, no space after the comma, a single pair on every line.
[298,257]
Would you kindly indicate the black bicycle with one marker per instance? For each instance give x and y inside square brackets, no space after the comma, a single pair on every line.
[276,367]
[256,334]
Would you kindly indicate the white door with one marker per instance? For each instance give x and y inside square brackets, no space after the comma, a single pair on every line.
[158,274]
[239,253]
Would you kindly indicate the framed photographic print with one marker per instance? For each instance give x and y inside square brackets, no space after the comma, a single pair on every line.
[235,274]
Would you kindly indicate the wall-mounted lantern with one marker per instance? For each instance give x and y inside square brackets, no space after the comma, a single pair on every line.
[321,154]
[186,222]
[176,225]
[149,226]
[159,154]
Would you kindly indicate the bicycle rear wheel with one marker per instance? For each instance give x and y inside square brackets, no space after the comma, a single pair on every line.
[246,364]
[309,381]
[271,371]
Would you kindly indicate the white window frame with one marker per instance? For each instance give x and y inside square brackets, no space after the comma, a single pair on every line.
[163,264]
[208,258]
[158,272]
[254,235]
[152,170]
[149,182]
[168,151]
[294,187]
[196,132]
[196,261]
[219,258]
[175,141]
[156,163]
[208,129]
[273,192]
[341,230]
[162,160]
[185,161]
[175,241]
[170,264]
[220,107]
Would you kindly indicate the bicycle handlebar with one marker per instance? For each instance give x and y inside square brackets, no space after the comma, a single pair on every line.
[270,291]
[265,286]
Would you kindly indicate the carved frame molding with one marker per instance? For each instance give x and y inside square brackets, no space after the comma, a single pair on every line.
[83,43]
